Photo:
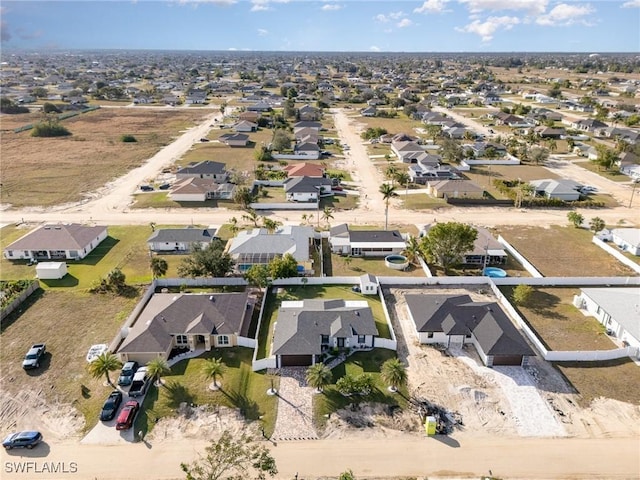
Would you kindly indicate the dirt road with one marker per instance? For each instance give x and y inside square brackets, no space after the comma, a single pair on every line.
[390,456]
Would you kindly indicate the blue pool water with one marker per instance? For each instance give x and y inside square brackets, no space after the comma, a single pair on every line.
[494,272]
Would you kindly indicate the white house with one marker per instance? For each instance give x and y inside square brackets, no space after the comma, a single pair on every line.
[179,240]
[365,243]
[628,239]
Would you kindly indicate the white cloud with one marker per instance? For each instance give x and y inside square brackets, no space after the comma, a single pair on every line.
[487,28]
[397,15]
[565,14]
[432,6]
[262,5]
[215,2]
[534,7]
[405,22]
[373,48]
[381,18]
[631,4]
[262,32]
[331,7]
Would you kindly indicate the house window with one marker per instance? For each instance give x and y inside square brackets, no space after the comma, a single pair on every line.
[181,340]
[430,335]
[361,339]
[324,339]
[223,340]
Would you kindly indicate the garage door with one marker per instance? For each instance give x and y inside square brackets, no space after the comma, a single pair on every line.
[295,360]
[507,360]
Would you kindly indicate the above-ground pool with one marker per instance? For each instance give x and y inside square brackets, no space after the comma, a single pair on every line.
[494,272]
[396,262]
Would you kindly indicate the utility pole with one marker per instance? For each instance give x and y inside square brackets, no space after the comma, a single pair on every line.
[633,191]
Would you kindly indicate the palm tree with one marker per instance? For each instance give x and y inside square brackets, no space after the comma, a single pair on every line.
[403,179]
[388,191]
[270,224]
[158,367]
[251,216]
[394,372]
[412,249]
[103,364]
[159,267]
[391,172]
[212,368]
[233,226]
[319,376]
[327,214]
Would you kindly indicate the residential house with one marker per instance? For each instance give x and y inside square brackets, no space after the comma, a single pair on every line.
[423,172]
[249,116]
[179,240]
[617,309]
[206,169]
[234,139]
[259,247]
[406,150]
[370,111]
[196,189]
[454,188]
[365,243]
[563,189]
[57,241]
[307,149]
[172,323]
[245,126]
[196,97]
[306,329]
[628,239]
[306,189]
[260,106]
[308,113]
[305,169]
[629,164]
[589,125]
[455,320]
[486,250]
[306,124]
[549,132]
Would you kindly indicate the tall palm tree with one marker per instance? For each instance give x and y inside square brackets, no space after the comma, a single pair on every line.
[270,224]
[158,367]
[388,191]
[394,372]
[319,376]
[214,367]
[403,179]
[412,249]
[159,267]
[251,216]
[103,364]
[233,226]
[327,214]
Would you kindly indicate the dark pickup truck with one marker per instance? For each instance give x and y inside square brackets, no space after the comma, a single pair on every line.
[33,356]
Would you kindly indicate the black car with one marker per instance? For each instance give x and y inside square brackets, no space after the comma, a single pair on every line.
[28,439]
[110,407]
[128,371]
[165,186]
[146,188]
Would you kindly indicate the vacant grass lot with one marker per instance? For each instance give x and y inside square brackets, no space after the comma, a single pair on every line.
[422,201]
[400,124]
[567,252]
[51,171]
[241,388]
[331,400]
[610,379]
[325,292]
[69,323]
[125,248]
[614,175]
[560,325]
[484,175]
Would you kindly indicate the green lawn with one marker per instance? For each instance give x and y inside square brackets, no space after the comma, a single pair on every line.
[241,388]
[356,266]
[330,400]
[422,201]
[344,292]
[614,175]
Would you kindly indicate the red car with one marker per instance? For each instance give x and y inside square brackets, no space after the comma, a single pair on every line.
[128,413]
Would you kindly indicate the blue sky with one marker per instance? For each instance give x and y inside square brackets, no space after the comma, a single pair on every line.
[331,25]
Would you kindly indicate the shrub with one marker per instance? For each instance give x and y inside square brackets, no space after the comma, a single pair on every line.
[128,139]
[7,106]
[49,130]
[50,108]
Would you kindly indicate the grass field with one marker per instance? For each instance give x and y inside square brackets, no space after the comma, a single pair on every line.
[559,324]
[325,292]
[422,201]
[51,171]
[241,388]
[69,323]
[610,379]
[614,175]
[567,252]
[331,400]
[400,124]
[356,266]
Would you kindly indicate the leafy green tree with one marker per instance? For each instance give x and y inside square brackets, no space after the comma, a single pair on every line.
[451,151]
[283,267]
[48,107]
[446,243]
[214,368]
[211,261]
[606,157]
[257,275]
[231,458]
[348,475]
[8,106]
[388,191]
[319,376]
[158,367]
[596,224]
[159,267]
[394,373]
[575,218]
[538,155]
[281,141]
[104,364]
[522,294]
[243,196]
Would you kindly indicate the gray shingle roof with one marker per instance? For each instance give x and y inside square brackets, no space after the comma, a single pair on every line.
[205,167]
[374,236]
[299,329]
[71,236]
[187,235]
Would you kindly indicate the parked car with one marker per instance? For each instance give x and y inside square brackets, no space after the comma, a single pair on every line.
[203,139]
[27,439]
[146,188]
[165,186]
[111,406]
[337,188]
[33,356]
[139,383]
[127,414]
[128,371]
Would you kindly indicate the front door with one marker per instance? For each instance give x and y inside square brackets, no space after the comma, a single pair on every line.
[340,342]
